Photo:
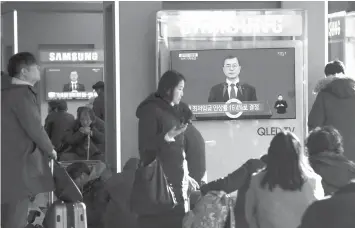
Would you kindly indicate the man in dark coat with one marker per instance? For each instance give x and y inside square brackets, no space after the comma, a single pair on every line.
[99,103]
[58,122]
[335,105]
[25,146]
[336,211]
[74,84]
[232,88]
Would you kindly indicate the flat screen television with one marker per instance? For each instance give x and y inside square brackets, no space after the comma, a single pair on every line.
[71,83]
[265,89]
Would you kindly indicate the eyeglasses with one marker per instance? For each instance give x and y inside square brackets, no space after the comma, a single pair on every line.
[231,66]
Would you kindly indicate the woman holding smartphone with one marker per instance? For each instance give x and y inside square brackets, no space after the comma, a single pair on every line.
[161,134]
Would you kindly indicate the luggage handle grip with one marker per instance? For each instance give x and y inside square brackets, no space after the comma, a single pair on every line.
[51,194]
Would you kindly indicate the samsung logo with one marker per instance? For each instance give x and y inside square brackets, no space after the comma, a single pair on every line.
[73,56]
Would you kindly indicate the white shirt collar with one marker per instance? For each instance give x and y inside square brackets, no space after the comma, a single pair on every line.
[17,81]
[229,82]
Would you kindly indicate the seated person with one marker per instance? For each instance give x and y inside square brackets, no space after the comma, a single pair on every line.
[57,122]
[91,183]
[238,180]
[84,138]
[325,149]
[336,211]
[279,195]
[119,187]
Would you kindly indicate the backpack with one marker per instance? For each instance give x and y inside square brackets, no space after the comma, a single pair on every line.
[214,210]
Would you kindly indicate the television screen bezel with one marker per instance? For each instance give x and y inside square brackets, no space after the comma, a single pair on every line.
[45,78]
[242,117]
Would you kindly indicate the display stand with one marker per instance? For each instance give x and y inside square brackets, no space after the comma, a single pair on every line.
[270,47]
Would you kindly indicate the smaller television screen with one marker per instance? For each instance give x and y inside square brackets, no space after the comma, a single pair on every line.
[71,83]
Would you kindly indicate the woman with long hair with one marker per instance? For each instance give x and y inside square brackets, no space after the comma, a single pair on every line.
[279,195]
[161,135]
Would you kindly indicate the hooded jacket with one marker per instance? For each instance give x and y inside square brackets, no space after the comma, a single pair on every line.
[335,106]
[23,172]
[336,170]
[156,118]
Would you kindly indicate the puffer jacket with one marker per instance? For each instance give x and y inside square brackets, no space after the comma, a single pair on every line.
[335,106]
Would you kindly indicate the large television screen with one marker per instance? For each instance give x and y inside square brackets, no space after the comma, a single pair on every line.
[239,83]
[71,83]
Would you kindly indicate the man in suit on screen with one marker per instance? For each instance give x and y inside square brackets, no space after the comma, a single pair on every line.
[232,87]
[74,85]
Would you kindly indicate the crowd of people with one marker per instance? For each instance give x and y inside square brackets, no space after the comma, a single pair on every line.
[291,185]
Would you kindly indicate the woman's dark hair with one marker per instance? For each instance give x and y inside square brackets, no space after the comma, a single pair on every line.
[168,83]
[322,139]
[286,163]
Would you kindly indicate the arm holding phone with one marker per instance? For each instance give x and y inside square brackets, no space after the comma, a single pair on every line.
[175,131]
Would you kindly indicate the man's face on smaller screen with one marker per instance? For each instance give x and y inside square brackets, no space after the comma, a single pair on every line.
[231,68]
[74,76]
[280,98]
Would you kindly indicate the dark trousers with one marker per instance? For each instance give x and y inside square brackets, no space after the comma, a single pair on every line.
[171,219]
[14,214]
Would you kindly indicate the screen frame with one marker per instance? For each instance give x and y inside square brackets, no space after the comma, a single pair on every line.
[47,66]
[301,88]
[242,117]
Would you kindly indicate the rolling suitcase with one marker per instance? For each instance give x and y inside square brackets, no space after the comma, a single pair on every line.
[64,214]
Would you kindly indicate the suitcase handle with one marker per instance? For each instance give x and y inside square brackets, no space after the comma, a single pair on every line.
[51,194]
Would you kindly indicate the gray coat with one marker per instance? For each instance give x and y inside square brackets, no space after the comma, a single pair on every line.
[25,145]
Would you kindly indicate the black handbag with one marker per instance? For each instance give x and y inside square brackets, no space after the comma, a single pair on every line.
[151,193]
[65,188]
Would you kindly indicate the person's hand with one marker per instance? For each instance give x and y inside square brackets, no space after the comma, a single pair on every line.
[193,185]
[53,155]
[175,131]
[85,130]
